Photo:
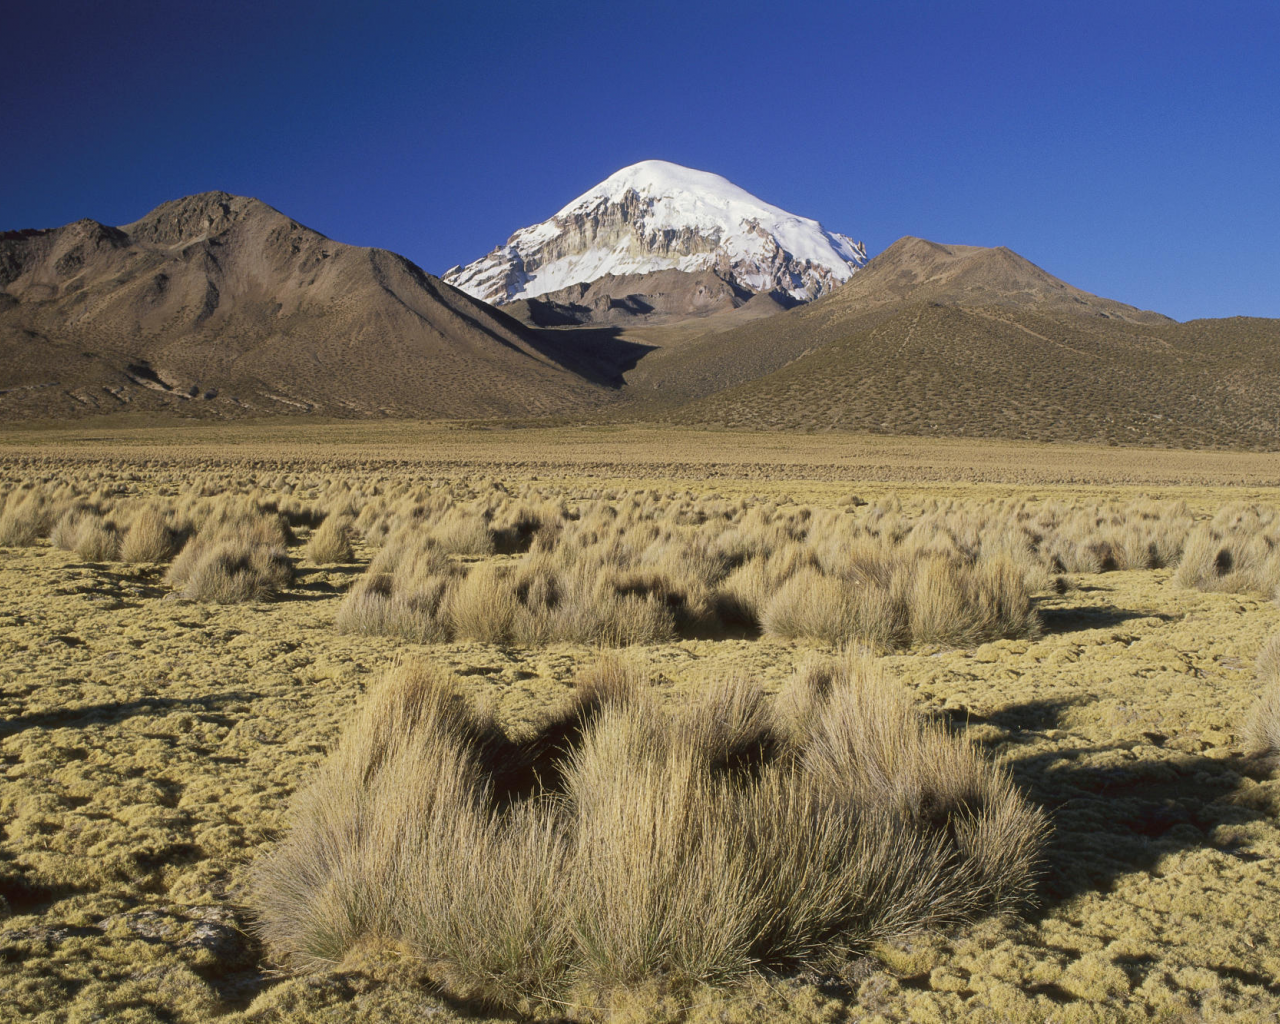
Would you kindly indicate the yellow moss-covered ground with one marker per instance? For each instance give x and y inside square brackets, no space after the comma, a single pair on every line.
[149,747]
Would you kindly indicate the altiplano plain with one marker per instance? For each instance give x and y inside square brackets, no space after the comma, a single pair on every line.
[152,743]
[640,514]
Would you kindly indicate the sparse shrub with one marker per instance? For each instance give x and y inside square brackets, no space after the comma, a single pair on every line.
[676,845]
[332,541]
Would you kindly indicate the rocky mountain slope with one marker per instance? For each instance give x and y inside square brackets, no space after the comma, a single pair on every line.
[218,305]
[967,341]
[658,218]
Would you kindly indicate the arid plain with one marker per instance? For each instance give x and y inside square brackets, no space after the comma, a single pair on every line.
[153,739]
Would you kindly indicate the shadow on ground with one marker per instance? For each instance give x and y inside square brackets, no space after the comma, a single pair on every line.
[109,714]
[1074,620]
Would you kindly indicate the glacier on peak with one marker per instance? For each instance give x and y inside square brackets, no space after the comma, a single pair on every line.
[654,216]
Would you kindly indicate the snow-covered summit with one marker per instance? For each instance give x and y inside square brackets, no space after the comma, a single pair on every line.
[655,216]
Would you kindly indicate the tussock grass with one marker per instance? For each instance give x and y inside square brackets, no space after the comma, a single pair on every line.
[405,592]
[97,540]
[1237,552]
[26,516]
[617,568]
[332,541]
[641,842]
[83,529]
[645,569]
[237,555]
[150,538]
[1262,731]
[463,532]
[898,601]
[66,530]
[232,573]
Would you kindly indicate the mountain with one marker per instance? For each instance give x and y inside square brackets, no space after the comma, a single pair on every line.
[917,270]
[660,238]
[968,341]
[218,305]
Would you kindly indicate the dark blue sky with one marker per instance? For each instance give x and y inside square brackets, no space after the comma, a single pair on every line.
[1131,148]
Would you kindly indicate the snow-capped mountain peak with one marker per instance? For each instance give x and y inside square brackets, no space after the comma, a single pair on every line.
[655,216]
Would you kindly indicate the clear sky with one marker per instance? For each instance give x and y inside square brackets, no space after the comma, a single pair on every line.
[1130,148]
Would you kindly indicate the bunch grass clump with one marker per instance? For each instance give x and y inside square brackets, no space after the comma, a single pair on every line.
[1262,731]
[890,600]
[1237,552]
[332,542]
[641,573]
[404,593]
[151,537]
[624,842]
[27,515]
[237,555]
[83,529]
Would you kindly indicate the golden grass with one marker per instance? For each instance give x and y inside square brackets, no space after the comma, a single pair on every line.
[1237,552]
[1262,731]
[332,542]
[646,567]
[25,517]
[149,538]
[676,848]
[148,746]
[235,556]
[758,461]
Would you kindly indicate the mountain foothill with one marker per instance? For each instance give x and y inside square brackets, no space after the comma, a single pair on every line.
[662,294]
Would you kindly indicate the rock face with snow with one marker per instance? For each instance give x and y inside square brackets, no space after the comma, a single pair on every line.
[655,217]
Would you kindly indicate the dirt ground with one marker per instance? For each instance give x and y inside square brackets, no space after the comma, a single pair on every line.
[149,747]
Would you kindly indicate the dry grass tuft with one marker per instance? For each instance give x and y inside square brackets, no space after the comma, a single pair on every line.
[686,846]
[97,540]
[894,601]
[27,515]
[1237,552]
[332,542]
[405,592]
[231,573]
[401,778]
[641,567]
[236,556]
[83,529]
[1262,731]
[150,538]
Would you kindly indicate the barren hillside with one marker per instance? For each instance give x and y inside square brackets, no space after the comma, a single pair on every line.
[218,305]
[964,341]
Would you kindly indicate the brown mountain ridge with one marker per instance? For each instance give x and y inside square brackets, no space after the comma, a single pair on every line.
[961,340]
[219,305]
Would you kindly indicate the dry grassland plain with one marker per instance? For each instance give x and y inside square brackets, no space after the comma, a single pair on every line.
[153,740]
